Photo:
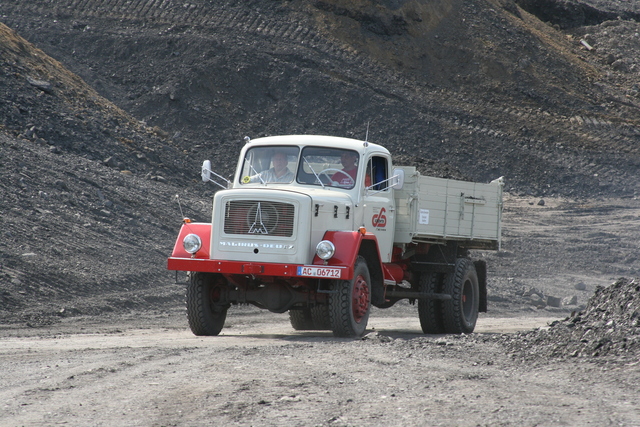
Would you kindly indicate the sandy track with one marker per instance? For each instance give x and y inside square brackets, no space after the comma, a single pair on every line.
[260,372]
[270,331]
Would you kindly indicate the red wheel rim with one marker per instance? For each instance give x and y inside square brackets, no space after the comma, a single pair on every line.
[360,300]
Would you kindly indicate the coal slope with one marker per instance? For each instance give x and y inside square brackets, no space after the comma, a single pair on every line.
[464,89]
[88,208]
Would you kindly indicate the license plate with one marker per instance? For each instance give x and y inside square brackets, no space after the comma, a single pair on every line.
[328,272]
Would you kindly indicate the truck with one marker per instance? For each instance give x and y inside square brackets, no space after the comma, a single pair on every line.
[326,227]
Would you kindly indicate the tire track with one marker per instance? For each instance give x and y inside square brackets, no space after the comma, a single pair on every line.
[594,130]
[209,15]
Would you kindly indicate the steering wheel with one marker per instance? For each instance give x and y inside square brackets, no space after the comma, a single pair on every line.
[334,170]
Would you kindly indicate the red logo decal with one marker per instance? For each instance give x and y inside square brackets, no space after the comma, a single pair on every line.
[379,220]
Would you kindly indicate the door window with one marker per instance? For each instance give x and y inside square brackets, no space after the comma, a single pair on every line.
[377,173]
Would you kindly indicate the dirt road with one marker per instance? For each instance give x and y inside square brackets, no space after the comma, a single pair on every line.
[149,369]
[142,366]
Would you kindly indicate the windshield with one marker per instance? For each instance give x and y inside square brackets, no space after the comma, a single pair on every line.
[269,165]
[328,167]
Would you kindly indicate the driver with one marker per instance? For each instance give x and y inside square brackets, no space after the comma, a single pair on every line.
[347,176]
[278,173]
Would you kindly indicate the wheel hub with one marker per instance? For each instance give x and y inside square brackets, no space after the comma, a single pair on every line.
[467,308]
[360,301]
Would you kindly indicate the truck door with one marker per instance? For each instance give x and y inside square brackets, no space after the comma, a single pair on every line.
[379,204]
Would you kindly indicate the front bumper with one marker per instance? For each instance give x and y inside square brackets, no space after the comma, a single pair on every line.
[259,268]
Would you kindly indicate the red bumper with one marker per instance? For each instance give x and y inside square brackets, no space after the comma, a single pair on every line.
[260,269]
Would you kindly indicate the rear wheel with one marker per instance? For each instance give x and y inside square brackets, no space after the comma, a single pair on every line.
[320,317]
[430,310]
[205,312]
[460,313]
[311,318]
[301,319]
[350,302]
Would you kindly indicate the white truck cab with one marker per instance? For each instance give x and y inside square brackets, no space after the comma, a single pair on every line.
[350,178]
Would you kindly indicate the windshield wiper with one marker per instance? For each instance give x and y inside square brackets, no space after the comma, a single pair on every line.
[255,172]
[314,172]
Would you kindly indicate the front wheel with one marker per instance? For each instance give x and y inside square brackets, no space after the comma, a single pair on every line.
[350,302]
[460,313]
[205,312]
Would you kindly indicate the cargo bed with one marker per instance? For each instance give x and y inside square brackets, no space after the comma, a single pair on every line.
[434,210]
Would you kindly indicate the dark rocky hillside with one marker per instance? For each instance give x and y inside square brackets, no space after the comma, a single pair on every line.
[86,204]
[468,89]
[96,143]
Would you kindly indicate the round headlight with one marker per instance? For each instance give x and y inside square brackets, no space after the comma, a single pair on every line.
[192,243]
[325,249]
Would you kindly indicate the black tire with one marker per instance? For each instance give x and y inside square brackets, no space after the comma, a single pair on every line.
[430,310]
[205,314]
[460,313]
[350,303]
[320,317]
[301,319]
[310,319]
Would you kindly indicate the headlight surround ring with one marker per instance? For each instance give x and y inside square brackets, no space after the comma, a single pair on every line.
[325,249]
[192,243]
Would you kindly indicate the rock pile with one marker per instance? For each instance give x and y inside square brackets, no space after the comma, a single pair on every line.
[538,299]
[608,327]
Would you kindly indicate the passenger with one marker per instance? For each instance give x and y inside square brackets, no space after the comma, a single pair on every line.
[347,176]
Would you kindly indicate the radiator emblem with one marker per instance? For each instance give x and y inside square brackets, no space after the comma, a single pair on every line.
[258,227]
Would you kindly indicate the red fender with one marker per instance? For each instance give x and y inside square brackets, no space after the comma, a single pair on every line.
[347,245]
[201,229]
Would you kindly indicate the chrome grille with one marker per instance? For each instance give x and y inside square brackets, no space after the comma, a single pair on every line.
[259,217]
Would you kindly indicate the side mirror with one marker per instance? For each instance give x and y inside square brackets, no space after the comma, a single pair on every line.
[398,179]
[206,171]
[206,175]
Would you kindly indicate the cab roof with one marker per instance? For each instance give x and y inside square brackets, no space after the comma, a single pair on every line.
[317,140]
